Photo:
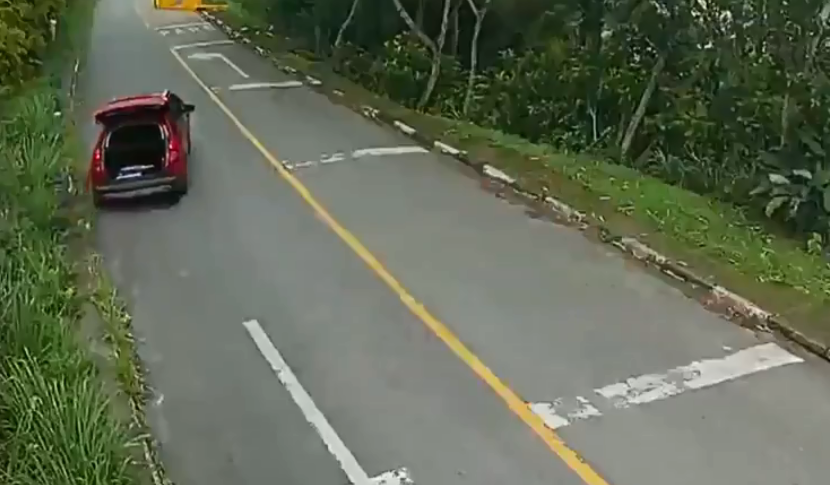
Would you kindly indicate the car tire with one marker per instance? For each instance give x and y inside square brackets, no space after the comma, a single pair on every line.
[181,188]
[98,200]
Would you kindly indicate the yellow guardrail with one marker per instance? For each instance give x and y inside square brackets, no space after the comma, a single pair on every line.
[191,5]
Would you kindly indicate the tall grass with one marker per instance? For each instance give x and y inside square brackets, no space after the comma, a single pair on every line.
[56,422]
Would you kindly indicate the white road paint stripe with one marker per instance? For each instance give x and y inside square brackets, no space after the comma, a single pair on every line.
[395,477]
[279,85]
[204,25]
[364,152]
[697,375]
[207,43]
[356,474]
[654,387]
[215,55]
[337,157]
[379,152]
[551,412]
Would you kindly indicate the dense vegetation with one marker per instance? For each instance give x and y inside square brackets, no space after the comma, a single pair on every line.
[26,29]
[57,425]
[725,98]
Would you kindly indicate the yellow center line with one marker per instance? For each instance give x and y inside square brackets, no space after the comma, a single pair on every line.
[570,457]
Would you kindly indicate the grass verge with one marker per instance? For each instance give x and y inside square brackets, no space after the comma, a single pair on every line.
[717,240]
[56,420]
[59,409]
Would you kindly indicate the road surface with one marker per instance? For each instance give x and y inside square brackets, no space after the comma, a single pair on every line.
[356,314]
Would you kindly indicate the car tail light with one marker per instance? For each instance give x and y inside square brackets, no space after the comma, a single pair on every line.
[97,172]
[174,154]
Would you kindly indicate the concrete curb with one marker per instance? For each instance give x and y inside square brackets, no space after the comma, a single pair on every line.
[717,296]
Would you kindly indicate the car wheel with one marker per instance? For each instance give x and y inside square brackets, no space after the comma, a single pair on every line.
[98,200]
[181,188]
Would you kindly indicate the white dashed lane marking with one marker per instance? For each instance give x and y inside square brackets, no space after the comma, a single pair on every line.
[267,85]
[362,153]
[188,28]
[207,43]
[654,387]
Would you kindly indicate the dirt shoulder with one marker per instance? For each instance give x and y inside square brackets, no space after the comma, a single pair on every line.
[713,248]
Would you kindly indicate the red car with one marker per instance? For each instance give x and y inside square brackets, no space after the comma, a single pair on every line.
[142,149]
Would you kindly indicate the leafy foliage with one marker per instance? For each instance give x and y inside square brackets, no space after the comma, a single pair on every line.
[25,31]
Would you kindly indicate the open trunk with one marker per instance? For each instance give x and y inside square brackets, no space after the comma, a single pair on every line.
[134,149]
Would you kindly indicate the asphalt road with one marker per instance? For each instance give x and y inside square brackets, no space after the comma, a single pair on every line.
[384,380]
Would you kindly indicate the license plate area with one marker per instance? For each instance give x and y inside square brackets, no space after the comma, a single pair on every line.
[133,172]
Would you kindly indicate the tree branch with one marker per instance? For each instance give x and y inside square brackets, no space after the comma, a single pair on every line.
[640,112]
[476,10]
[471,75]
[339,40]
[414,28]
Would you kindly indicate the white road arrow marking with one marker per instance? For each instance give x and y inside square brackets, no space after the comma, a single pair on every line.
[348,463]
[215,55]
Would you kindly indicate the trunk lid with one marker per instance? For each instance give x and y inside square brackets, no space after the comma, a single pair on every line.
[134,106]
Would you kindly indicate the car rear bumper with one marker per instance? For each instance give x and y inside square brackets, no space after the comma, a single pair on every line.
[138,188]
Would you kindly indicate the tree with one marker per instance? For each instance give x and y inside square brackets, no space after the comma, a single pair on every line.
[436,47]
[471,75]
[345,25]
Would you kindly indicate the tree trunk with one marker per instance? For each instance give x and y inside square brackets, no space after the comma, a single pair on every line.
[318,39]
[591,31]
[339,40]
[436,48]
[456,34]
[471,76]
[637,118]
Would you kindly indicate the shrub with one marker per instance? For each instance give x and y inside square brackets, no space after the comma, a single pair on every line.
[25,30]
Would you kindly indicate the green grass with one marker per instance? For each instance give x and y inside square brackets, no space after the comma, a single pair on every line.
[59,419]
[715,239]
[56,420]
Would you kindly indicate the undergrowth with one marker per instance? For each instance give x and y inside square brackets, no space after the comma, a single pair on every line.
[56,424]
